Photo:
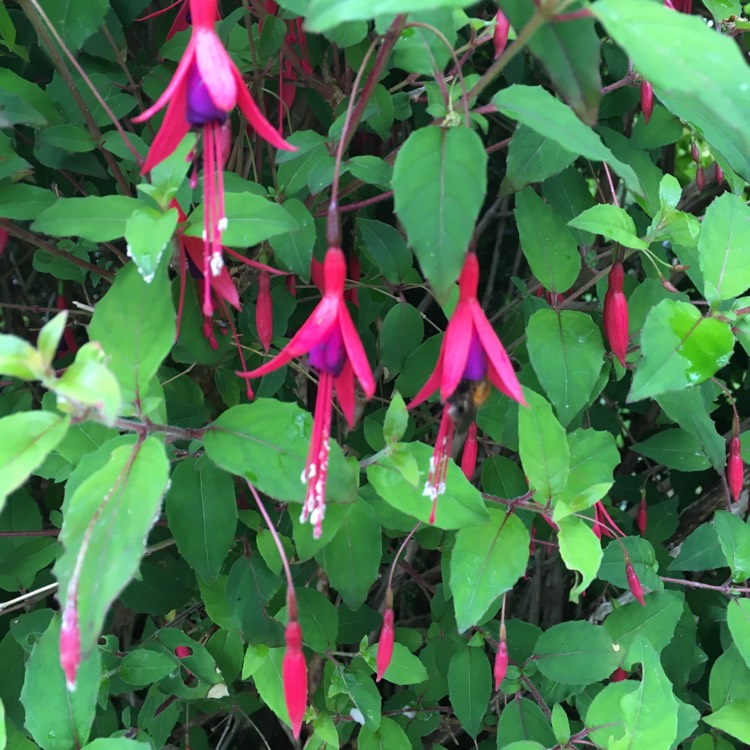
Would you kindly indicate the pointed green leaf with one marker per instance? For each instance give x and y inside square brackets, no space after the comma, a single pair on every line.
[469,687]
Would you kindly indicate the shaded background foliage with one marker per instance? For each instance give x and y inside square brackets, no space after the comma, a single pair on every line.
[182,597]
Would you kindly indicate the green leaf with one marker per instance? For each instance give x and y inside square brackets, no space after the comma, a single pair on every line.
[384,246]
[19,359]
[56,718]
[439,184]
[650,712]
[580,550]
[389,736]
[680,348]
[547,243]
[3,731]
[460,506]
[543,446]
[404,668]
[734,538]
[537,108]
[71,138]
[135,324]
[202,515]
[470,687]
[566,351]
[372,170]
[117,743]
[560,724]
[268,680]
[612,222]
[22,202]
[402,330]
[267,443]
[95,218]
[25,439]
[730,675]
[738,619]
[732,719]
[700,551]
[75,20]
[675,449]
[50,335]
[570,55]
[148,233]
[656,622]
[105,525]
[143,666]
[532,158]
[318,618]
[421,50]
[722,244]
[604,715]
[700,89]
[486,562]
[323,15]
[396,419]
[352,558]
[576,653]
[364,694]
[294,248]
[251,219]
[593,459]
[521,722]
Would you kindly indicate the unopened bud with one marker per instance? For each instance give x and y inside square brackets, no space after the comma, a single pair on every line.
[735,469]
[700,179]
[647,100]
[500,36]
[294,676]
[469,458]
[291,284]
[668,285]
[695,153]
[264,311]
[182,652]
[500,668]
[642,516]
[616,314]
[354,273]
[385,644]
[718,173]
[633,583]
[618,675]
[4,240]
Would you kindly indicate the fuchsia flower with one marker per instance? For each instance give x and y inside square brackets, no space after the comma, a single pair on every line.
[735,469]
[634,583]
[647,100]
[385,644]
[616,313]
[618,675]
[500,35]
[500,668]
[264,311]
[470,353]
[205,87]
[294,668]
[642,519]
[336,352]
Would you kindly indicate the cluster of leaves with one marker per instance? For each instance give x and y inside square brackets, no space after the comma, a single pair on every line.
[125,445]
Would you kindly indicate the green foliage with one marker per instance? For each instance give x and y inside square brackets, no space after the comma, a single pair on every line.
[119,386]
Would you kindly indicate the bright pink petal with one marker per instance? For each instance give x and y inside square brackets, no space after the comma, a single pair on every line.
[178,82]
[500,369]
[315,329]
[216,68]
[172,131]
[456,342]
[432,384]
[356,352]
[345,392]
[204,13]
[255,117]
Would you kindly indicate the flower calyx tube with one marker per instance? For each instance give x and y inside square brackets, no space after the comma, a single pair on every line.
[386,640]
[471,359]
[500,35]
[634,583]
[735,468]
[500,667]
[335,352]
[294,668]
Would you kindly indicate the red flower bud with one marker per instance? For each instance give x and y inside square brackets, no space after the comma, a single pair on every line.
[3,240]
[70,643]
[385,644]
[735,469]
[264,311]
[469,458]
[291,284]
[182,652]
[294,675]
[501,659]
[700,179]
[616,314]
[642,513]
[668,285]
[695,153]
[647,100]
[500,37]
[618,675]
[719,174]
[633,583]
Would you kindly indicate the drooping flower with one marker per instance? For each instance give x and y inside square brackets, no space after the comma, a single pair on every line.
[294,668]
[500,35]
[616,313]
[385,643]
[500,668]
[642,516]
[336,353]
[205,87]
[735,469]
[470,355]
